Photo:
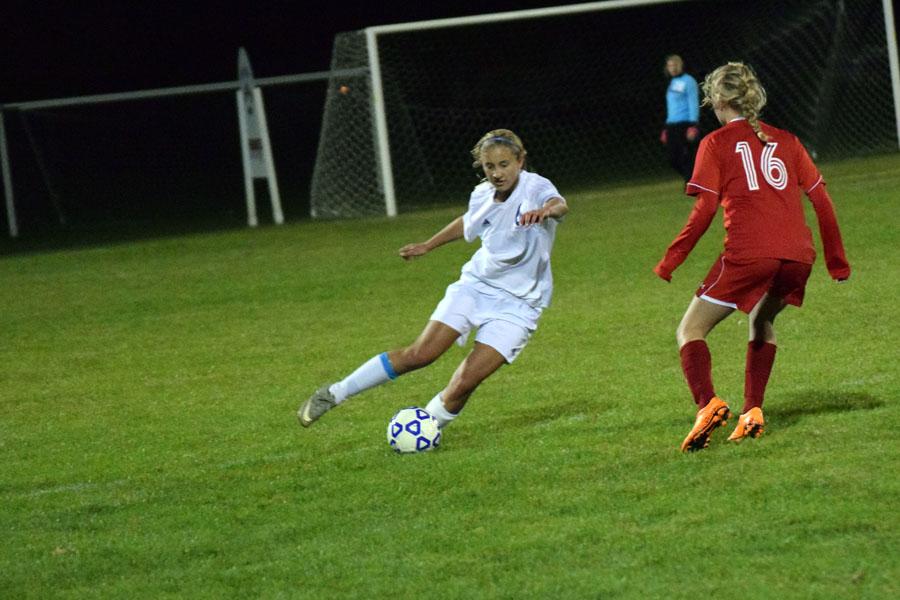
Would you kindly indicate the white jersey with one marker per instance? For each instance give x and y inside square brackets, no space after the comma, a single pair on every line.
[512,258]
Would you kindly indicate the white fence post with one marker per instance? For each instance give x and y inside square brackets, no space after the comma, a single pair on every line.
[7,181]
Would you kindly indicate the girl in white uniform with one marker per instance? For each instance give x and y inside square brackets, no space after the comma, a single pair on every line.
[501,293]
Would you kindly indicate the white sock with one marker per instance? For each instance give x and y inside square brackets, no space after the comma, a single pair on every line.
[375,371]
[436,409]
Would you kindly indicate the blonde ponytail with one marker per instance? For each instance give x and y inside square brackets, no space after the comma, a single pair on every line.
[736,85]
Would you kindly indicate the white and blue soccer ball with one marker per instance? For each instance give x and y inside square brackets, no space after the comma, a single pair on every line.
[413,429]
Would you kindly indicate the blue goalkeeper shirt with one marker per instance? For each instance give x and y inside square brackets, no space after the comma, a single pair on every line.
[682,102]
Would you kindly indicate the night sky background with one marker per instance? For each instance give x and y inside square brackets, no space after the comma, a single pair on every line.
[57,48]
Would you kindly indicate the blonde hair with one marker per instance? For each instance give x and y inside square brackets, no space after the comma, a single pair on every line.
[736,85]
[494,137]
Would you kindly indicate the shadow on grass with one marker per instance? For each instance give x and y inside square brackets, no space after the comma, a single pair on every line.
[817,402]
[519,426]
[85,236]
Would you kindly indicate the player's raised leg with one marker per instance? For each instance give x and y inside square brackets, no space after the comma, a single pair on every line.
[434,340]
[696,363]
[477,366]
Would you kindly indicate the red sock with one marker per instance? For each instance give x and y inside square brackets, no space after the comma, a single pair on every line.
[760,358]
[697,366]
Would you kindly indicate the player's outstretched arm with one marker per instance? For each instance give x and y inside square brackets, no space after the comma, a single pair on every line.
[453,231]
[554,208]
[701,216]
[835,257]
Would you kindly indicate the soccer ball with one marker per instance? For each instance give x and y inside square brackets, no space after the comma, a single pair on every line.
[413,429]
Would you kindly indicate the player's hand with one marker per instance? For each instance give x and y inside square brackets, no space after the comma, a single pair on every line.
[664,137]
[533,217]
[411,251]
[692,134]
[663,272]
[838,268]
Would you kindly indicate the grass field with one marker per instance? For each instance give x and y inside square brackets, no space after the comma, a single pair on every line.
[150,447]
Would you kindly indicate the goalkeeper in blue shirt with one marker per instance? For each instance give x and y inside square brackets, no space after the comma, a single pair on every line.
[681,133]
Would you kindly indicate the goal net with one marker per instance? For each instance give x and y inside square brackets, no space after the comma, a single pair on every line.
[586,91]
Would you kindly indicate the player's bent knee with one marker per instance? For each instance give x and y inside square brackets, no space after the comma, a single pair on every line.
[762,330]
[683,335]
[758,328]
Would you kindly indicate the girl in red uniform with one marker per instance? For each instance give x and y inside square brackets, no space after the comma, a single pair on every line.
[756,172]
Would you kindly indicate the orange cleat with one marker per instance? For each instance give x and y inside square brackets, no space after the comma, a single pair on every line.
[709,418]
[751,424]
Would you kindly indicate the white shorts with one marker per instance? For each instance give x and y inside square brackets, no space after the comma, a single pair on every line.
[504,322]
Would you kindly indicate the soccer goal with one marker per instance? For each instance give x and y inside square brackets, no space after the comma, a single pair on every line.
[584,87]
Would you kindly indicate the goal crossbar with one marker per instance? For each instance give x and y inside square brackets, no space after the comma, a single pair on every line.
[514,15]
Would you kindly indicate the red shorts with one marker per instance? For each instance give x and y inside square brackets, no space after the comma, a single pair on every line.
[742,284]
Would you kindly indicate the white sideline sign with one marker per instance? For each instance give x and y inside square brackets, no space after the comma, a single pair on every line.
[256,149]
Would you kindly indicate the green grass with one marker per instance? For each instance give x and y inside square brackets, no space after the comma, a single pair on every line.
[150,449]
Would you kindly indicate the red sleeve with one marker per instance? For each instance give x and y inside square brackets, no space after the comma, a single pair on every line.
[808,176]
[701,216]
[706,176]
[835,258]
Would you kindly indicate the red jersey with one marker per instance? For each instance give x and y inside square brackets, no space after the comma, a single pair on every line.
[759,187]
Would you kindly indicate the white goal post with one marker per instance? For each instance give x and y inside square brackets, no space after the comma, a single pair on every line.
[807,54]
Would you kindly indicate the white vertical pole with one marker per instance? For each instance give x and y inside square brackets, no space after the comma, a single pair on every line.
[891,34]
[274,195]
[382,143]
[249,192]
[7,181]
